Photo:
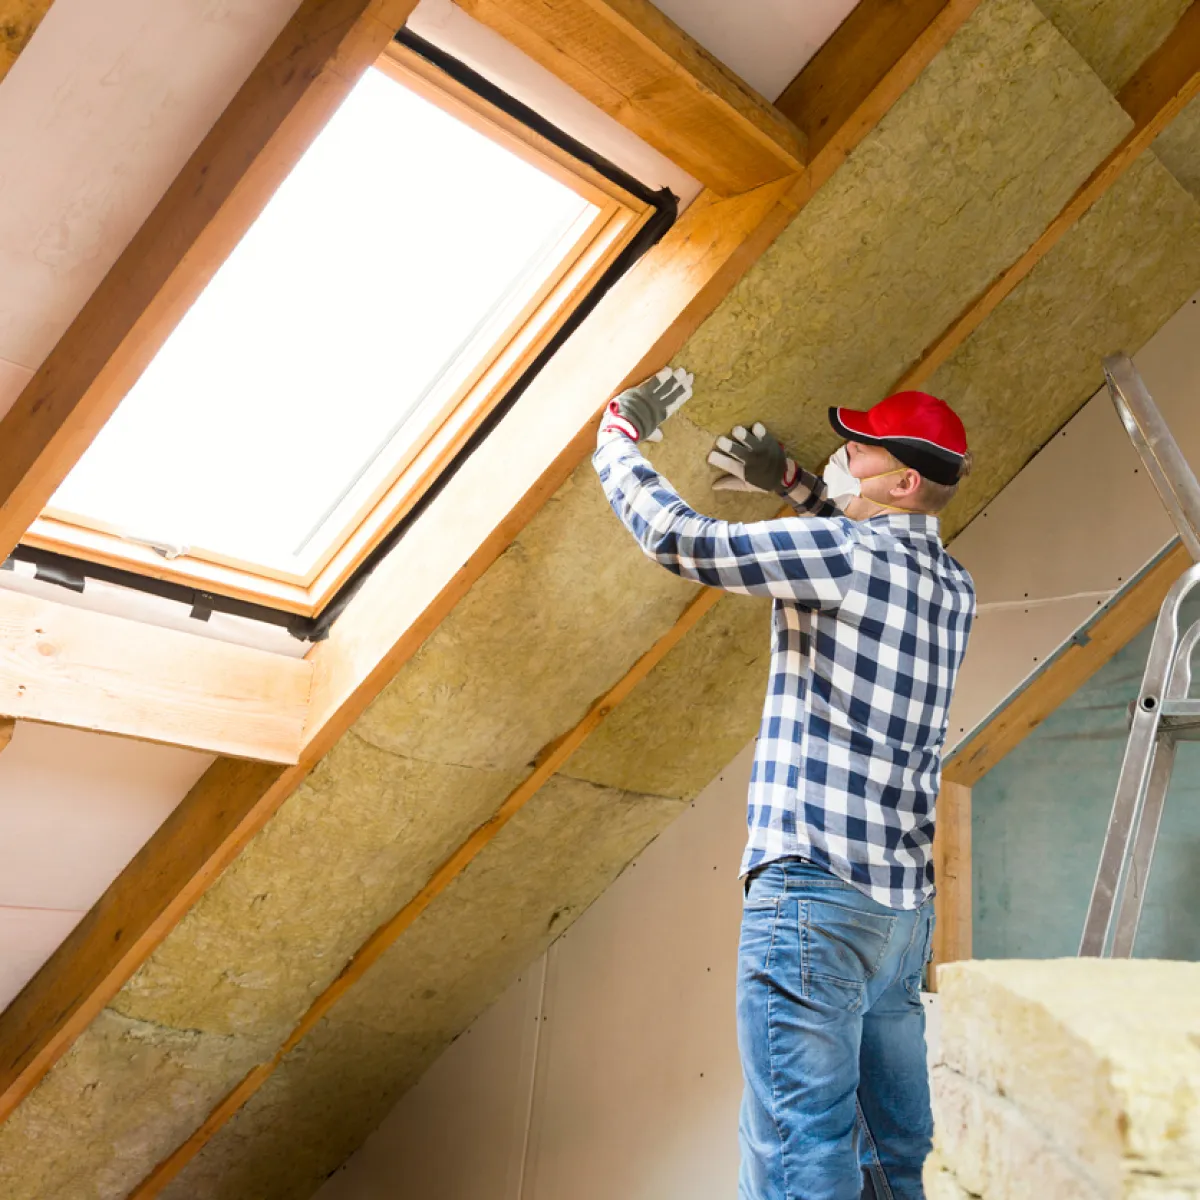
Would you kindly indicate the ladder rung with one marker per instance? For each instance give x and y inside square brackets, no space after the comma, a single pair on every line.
[1181,719]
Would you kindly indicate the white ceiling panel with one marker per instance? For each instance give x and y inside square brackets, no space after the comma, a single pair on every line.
[28,936]
[766,42]
[96,118]
[75,807]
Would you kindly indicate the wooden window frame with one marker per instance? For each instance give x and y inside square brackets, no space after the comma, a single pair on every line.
[593,245]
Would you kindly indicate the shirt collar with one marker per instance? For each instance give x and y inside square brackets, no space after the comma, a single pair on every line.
[912,525]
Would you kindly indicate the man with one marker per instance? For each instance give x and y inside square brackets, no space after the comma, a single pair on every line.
[870,622]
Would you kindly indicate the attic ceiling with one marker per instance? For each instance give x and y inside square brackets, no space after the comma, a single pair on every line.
[963,173]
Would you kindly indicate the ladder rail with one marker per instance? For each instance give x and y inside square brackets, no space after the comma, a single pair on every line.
[1169,471]
[1137,767]
[1145,838]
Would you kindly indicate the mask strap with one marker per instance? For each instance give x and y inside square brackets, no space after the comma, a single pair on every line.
[920,512]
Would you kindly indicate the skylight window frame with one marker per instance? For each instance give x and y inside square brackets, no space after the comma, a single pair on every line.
[527,332]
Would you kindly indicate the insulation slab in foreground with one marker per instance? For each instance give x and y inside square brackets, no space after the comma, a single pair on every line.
[1077,1079]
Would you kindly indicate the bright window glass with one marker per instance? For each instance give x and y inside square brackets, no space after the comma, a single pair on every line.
[397,251]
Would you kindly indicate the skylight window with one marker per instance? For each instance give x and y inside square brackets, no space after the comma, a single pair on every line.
[419,253]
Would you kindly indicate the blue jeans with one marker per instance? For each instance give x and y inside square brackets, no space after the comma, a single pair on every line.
[832,1037]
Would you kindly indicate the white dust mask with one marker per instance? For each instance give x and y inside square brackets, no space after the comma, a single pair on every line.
[840,485]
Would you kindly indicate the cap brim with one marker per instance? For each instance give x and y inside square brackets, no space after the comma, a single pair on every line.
[932,461]
[853,424]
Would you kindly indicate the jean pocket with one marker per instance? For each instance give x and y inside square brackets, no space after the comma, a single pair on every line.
[916,976]
[842,946]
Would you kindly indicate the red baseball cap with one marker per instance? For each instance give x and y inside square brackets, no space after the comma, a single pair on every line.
[920,430]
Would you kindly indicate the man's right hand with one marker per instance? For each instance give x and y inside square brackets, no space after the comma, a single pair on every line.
[753,460]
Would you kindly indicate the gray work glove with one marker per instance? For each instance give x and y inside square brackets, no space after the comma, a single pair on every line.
[639,411]
[754,460]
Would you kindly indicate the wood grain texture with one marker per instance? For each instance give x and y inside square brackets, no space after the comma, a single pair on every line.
[1063,675]
[19,20]
[134,914]
[68,666]
[713,245]
[864,68]
[639,67]
[864,48]
[552,758]
[273,118]
[307,71]
[952,875]
[1154,97]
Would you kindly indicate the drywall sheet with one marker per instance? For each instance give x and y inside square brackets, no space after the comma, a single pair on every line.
[1089,540]
[1115,36]
[101,111]
[954,184]
[1039,820]
[18,20]
[526,888]
[485,1078]
[961,176]
[1178,147]
[1109,284]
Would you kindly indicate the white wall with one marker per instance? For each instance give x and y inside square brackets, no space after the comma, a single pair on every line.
[631,1088]
[74,809]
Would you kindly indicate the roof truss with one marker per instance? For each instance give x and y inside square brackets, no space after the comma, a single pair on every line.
[669,294]
[639,326]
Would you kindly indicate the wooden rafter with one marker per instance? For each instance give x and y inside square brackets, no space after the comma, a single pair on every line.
[952,935]
[305,74]
[7,728]
[1062,676]
[713,245]
[67,666]
[628,59]
[1154,97]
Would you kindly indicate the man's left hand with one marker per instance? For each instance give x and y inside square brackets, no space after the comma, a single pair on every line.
[639,411]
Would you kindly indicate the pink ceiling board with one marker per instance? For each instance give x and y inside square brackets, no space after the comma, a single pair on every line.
[96,118]
[766,42]
[75,807]
[12,379]
[28,936]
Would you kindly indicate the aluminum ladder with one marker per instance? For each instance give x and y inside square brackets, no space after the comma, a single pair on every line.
[1163,714]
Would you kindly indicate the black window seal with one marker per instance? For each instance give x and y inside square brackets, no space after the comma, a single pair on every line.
[71,572]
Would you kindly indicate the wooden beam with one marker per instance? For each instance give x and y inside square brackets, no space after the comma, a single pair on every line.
[18,22]
[866,49]
[549,762]
[123,927]
[1154,97]
[273,118]
[7,729]
[1113,628]
[643,322]
[952,876]
[68,666]
[627,58]
[297,85]
[670,293]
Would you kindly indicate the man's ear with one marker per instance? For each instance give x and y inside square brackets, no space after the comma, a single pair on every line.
[908,484]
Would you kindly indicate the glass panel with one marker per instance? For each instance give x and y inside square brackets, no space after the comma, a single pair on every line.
[392,257]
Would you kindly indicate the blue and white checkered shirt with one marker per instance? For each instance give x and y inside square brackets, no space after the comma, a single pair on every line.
[870,623]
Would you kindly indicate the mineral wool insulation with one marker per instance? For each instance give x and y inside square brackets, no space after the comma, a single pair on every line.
[1077,1079]
[959,178]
